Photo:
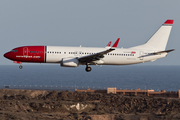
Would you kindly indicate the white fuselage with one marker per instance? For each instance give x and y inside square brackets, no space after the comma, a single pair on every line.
[119,56]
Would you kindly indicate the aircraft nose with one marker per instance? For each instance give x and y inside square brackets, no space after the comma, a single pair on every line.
[7,55]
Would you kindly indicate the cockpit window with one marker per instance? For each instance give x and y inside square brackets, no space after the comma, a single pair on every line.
[14,50]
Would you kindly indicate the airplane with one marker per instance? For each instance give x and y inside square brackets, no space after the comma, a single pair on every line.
[152,50]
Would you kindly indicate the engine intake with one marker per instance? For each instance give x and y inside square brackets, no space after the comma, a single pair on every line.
[70,62]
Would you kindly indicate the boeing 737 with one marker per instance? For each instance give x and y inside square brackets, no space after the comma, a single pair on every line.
[152,50]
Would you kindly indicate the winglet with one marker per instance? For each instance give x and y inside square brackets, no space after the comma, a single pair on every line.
[109,44]
[169,22]
[116,43]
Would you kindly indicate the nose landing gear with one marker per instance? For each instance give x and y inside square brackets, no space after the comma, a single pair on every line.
[88,69]
[18,62]
[20,67]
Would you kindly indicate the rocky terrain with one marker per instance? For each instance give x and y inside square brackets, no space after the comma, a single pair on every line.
[65,105]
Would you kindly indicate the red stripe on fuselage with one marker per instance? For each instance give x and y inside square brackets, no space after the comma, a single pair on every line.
[28,54]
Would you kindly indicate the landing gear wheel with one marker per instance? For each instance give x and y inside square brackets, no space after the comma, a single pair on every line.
[20,67]
[88,69]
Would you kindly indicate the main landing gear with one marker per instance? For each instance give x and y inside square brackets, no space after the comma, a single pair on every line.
[88,69]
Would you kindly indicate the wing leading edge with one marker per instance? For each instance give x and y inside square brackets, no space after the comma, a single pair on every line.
[97,56]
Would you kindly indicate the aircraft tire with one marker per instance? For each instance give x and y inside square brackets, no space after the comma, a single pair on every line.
[20,67]
[88,69]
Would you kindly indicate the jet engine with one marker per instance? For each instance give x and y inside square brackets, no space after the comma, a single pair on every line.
[70,62]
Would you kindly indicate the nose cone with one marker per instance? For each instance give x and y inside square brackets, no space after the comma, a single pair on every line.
[7,55]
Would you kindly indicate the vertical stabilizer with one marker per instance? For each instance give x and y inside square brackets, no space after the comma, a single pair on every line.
[159,40]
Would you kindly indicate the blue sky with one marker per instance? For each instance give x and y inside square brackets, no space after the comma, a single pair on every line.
[87,23]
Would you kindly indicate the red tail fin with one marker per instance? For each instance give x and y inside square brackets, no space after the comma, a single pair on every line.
[116,43]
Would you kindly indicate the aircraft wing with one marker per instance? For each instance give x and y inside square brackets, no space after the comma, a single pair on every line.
[97,56]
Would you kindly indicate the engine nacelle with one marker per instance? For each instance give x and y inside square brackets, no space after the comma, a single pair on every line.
[70,62]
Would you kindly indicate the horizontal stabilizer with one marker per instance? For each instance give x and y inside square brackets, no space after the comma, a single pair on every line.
[157,53]
[166,51]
